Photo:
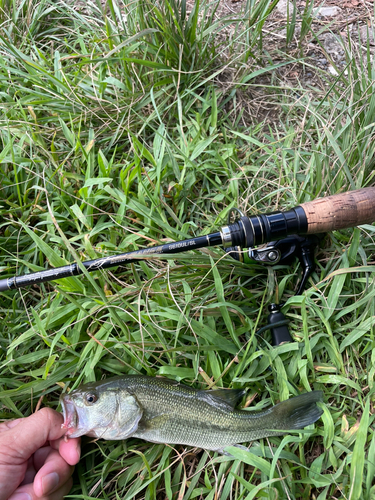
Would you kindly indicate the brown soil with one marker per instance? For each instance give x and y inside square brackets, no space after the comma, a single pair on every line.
[322,51]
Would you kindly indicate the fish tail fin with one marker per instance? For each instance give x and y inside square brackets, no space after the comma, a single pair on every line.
[294,413]
[297,412]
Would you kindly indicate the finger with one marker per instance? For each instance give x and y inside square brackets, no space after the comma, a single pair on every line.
[30,472]
[52,475]
[29,494]
[70,450]
[40,456]
[9,424]
[18,443]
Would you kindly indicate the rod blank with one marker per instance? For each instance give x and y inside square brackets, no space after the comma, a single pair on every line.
[108,262]
[322,215]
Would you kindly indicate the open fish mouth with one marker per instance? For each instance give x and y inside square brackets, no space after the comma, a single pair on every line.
[70,417]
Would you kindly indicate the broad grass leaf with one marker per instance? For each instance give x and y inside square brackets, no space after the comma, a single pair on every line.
[250,459]
[223,309]
[179,373]
[339,380]
[358,332]
[358,458]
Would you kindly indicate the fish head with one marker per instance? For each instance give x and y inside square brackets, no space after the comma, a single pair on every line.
[100,411]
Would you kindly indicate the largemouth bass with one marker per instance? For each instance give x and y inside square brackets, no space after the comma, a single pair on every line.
[165,411]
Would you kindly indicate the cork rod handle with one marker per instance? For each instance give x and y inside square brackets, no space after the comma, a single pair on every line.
[340,211]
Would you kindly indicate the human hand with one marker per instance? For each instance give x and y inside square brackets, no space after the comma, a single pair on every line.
[35,461]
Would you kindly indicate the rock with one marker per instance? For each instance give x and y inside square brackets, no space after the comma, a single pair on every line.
[366,33]
[332,70]
[333,46]
[283,6]
[326,11]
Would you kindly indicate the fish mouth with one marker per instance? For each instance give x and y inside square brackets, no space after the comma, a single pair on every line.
[71,419]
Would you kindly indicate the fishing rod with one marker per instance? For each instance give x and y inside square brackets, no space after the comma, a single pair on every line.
[322,215]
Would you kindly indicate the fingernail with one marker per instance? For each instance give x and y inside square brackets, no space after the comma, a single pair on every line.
[20,496]
[49,482]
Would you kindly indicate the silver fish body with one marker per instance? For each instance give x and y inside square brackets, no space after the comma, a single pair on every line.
[164,411]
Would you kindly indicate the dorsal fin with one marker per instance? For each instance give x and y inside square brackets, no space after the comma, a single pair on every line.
[226,399]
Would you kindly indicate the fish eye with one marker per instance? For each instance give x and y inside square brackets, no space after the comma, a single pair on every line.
[91,398]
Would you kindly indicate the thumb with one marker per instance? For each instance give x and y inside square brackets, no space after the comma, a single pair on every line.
[26,435]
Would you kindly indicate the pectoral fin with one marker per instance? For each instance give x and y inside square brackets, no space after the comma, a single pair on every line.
[156,423]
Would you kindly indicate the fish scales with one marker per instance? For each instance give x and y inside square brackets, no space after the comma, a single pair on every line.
[190,419]
[164,411]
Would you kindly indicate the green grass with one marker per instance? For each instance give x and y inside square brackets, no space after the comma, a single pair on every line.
[129,124]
